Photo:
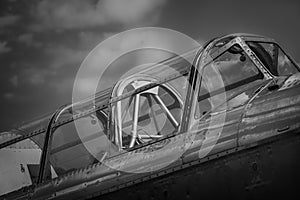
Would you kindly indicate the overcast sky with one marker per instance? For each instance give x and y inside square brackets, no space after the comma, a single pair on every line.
[43,42]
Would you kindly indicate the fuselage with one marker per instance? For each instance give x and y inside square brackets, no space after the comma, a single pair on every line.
[226,125]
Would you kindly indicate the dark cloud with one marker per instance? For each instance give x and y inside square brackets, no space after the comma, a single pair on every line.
[43,43]
[4,48]
[63,14]
[8,20]
[14,80]
[8,96]
[27,39]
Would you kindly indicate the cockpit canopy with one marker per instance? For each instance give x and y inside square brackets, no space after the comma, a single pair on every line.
[146,106]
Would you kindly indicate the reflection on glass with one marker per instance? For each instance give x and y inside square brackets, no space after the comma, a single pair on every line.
[79,144]
[231,70]
[285,66]
[273,58]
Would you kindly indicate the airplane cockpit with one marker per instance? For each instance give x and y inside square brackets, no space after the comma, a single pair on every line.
[162,101]
[149,114]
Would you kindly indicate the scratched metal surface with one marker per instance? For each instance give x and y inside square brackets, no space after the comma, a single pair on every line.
[272,113]
[257,154]
[244,172]
[266,171]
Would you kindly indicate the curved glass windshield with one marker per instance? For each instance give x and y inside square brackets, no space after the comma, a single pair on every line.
[79,144]
[273,58]
[230,70]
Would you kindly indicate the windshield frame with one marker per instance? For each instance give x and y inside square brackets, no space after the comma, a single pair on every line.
[210,53]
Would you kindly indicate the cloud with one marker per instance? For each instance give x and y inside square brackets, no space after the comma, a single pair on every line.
[132,11]
[4,48]
[89,39]
[63,14]
[61,61]
[62,86]
[35,76]
[14,80]
[8,95]
[8,20]
[63,56]
[27,39]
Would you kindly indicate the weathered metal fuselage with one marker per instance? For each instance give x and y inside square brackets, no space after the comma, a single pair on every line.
[256,156]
